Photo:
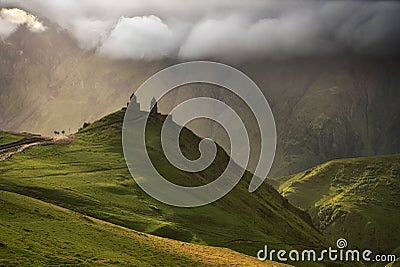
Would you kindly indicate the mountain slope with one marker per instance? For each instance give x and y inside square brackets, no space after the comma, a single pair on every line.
[59,85]
[33,232]
[90,176]
[356,199]
[325,108]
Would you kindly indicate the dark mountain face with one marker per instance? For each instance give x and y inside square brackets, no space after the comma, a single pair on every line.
[332,108]
[324,108]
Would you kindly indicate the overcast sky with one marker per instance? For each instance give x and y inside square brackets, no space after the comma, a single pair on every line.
[230,30]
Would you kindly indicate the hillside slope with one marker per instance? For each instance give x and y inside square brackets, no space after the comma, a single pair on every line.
[90,176]
[36,233]
[6,138]
[356,199]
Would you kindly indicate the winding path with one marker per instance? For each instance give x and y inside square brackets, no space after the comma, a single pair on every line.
[8,150]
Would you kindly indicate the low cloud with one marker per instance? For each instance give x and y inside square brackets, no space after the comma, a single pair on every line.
[90,32]
[11,19]
[145,37]
[229,30]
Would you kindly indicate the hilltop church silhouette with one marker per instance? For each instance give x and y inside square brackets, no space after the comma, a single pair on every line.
[136,104]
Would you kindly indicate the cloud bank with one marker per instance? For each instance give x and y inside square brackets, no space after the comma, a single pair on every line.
[11,19]
[225,29]
[139,37]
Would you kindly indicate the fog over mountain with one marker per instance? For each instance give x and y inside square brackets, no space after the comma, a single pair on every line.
[224,29]
[329,69]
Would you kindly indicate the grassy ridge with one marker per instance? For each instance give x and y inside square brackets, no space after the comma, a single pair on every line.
[394,264]
[33,232]
[89,175]
[352,198]
[6,138]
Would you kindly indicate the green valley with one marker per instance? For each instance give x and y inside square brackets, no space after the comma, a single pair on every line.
[89,176]
[311,86]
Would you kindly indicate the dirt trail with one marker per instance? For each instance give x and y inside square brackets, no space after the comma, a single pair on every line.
[8,150]
[9,153]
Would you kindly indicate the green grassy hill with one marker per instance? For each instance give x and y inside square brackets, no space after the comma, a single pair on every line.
[36,233]
[89,176]
[7,138]
[357,199]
